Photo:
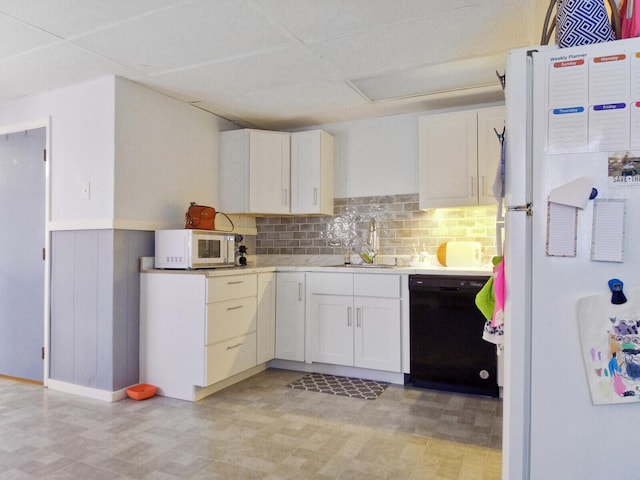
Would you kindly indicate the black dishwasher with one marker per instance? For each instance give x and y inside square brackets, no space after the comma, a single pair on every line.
[447,349]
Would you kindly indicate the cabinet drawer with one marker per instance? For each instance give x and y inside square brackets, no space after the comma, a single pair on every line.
[372,285]
[330,283]
[230,319]
[230,357]
[231,286]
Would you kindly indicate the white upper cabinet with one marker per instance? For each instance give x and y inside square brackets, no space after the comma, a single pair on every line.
[312,172]
[458,157]
[265,172]
[254,172]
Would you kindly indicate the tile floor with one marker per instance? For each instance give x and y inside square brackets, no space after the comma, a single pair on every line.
[257,429]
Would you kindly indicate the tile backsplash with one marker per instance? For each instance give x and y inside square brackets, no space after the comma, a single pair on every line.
[401,226]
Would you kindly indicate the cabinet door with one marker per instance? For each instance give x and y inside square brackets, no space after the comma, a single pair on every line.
[312,172]
[266,321]
[448,174]
[290,316]
[490,121]
[269,172]
[332,329]
[377,333]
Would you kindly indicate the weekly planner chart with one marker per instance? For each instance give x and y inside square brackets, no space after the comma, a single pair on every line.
[593,103]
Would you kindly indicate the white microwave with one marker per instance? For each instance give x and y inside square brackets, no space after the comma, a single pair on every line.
[187,249]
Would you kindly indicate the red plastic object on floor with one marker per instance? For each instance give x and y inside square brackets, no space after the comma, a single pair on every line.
[142,391]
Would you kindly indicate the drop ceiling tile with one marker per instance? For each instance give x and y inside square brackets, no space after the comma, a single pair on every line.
[264,71]
[193,33]
[288,105]
[301,98]
[19,37]
[312,20]
[53,67]
[72,17]
[425,41]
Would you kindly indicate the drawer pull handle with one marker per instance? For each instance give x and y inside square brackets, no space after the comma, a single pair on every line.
[234,308]
[231,347]
[236,282]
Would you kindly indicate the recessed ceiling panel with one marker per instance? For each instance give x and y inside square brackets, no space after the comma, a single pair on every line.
[412,82]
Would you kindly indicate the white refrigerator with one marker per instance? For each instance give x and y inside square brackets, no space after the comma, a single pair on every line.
[572,125]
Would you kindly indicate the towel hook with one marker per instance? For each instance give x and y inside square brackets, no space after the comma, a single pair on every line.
[502,78]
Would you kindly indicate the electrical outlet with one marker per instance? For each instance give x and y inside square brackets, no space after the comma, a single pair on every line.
[85,190]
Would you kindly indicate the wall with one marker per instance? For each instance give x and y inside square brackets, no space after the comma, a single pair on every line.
[400,225]
[96,241]
[94,306]
[82,149]
[166,156]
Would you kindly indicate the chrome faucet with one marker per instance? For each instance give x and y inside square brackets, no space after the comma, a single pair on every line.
[373,239]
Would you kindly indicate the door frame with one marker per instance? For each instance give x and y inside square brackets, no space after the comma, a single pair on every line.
[44,122]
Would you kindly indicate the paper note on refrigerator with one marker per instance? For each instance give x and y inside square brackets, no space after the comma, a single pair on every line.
[575,193]
[562,221]
[607,241]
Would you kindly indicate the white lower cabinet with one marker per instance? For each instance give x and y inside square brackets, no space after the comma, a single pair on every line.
[196,330]
[266,321]
[290,316]
[360,329]
[332,329]
[377,333]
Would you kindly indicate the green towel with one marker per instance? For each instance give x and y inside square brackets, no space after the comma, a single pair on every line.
[485,301]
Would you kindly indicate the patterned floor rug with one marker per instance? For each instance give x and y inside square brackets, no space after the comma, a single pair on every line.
[345,386]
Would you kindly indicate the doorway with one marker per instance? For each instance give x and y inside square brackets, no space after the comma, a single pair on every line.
[23,243]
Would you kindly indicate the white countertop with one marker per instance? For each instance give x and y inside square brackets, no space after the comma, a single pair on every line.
[387,270]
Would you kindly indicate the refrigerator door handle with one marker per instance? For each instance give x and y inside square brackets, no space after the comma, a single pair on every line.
[528,209]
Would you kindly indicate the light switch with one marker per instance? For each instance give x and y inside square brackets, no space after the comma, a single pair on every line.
[85,190]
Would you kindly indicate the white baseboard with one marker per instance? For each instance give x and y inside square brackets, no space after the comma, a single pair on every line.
[88,392]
